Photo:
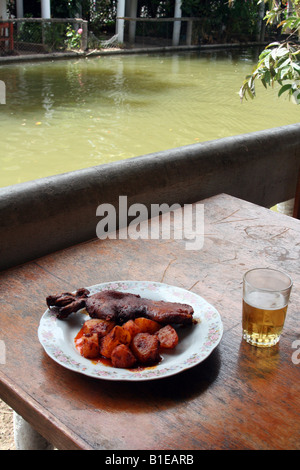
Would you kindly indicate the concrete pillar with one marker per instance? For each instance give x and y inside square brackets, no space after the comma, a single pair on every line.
[2,96]
[45,8]
[132,24]
[19,12]
[177,24]
[120,23]
[27,438]
[286,207]
[20,8]
[3,10]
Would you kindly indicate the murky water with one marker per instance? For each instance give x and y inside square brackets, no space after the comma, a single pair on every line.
[66,115]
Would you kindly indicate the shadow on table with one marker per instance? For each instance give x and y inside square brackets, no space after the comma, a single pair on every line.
[254,362]
[184,386]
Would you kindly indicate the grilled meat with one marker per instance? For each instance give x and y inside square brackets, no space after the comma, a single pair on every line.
[120,307]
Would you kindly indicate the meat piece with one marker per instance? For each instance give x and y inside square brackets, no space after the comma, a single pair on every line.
[168,337]
[66,303]
[122,306]
[122,357]
[169,312]
[145,347]
[113,305]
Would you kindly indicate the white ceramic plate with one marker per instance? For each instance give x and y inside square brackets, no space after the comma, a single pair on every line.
[196,341]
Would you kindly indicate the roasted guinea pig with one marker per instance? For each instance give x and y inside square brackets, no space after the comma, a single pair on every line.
[124,328]
[120,307]
[66,303]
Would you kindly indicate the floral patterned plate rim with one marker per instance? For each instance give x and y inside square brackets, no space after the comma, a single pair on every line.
[196,342]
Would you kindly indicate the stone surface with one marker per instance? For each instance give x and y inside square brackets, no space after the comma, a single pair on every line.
[42,216]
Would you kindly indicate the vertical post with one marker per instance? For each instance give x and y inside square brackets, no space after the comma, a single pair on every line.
[2,101]
[11,37]
[3,10]
[296,212]
[189,30]
[120,22]
[45,9]
[84,36]
[20,9]
[177,24]
[45,13]
[132,23]
[43,26]
[20,12]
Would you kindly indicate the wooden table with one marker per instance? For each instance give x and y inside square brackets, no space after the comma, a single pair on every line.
[240,397]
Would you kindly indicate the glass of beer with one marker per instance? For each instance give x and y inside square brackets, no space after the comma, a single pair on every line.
[266,294]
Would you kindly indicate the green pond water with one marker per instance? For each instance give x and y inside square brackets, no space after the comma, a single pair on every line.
[66,115]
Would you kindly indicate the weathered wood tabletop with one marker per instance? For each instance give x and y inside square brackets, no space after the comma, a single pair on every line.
[240,397]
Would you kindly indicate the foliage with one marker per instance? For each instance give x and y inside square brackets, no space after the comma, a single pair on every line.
[237,18]
[29,32]
[65,9]
[102,16]
[280,61]
[226,20]
[73,40]
[54,36]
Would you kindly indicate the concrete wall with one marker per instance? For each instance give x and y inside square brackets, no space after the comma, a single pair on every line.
[55,212]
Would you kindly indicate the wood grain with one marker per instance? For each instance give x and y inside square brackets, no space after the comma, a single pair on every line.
[240,397]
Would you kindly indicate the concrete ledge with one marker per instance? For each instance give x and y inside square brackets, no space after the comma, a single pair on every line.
[123,51]
[55,212]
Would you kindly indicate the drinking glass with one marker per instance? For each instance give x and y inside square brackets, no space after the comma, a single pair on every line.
[266,293]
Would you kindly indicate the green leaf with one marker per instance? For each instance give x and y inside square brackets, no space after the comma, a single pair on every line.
[273,44]
[267,61]
[284,88]
[286,62]
[284,72]
[274,53]
[297,98]
[296,66]
[281,51]
[267,77]
[251,95]
[263,81]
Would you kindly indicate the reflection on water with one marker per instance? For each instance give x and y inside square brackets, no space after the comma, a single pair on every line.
[67,115]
